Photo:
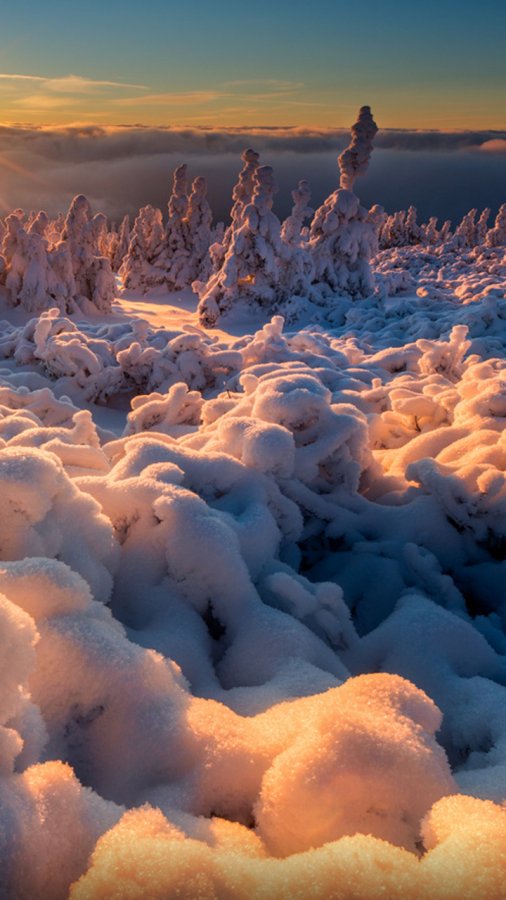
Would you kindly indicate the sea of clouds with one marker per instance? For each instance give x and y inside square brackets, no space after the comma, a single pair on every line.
[121,168]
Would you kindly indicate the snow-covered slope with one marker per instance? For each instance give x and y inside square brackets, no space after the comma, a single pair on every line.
[253,618]
[253,549]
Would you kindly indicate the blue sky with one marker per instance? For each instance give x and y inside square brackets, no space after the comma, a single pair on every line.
[433,64]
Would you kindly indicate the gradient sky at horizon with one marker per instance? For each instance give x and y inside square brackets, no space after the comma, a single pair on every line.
[437,64]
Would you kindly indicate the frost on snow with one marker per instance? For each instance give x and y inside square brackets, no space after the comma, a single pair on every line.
[252,610]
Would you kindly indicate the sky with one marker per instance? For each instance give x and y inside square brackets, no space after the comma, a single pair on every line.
[434,64]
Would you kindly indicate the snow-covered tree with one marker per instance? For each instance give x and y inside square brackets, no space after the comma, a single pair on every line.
[376,217]
[242,194]
[342,242]
[496,236]
[393,230]
[36,278]
[342,237]
[64,290]
[199,221]
[294,230]
[354,161]
[413,230]
[78,216]
[102,284]
[39,224]
[252,264]
[482,226]
[446,230]
[465,233]
[174,257]
[297,269]
[430,233]
[121,244]
[85,235]
[13,252]
[97,233]
[146,245]
[39,282]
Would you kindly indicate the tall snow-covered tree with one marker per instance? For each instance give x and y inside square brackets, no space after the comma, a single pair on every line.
[199,221]
[496,236]
[84,234]
[122,244]
[39,224]
[482,226]
[294,230]
[342,236]
[147,242]
[354,161]
[35,276]
[252,264]
[242,194]
[297,269]
[173,259]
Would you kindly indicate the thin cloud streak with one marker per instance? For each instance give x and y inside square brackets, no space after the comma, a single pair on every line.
[70,83]
[173,98]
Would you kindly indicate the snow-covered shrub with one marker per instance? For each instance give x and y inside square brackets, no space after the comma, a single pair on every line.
[43,514]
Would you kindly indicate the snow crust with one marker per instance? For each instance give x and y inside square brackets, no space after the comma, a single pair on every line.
[252,610]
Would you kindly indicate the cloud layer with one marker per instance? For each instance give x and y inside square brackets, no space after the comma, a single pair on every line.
[121,168]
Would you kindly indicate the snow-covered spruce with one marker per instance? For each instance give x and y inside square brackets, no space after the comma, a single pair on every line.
[496,236]
[259,262]
[252,265]
[354,161]
[200,220]
[138,269]
[43,267]
[35,277]
[84,233]
[173,260]
[121,244]
[172,256]
[343,237]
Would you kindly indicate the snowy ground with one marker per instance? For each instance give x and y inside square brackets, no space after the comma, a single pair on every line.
[253,617]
